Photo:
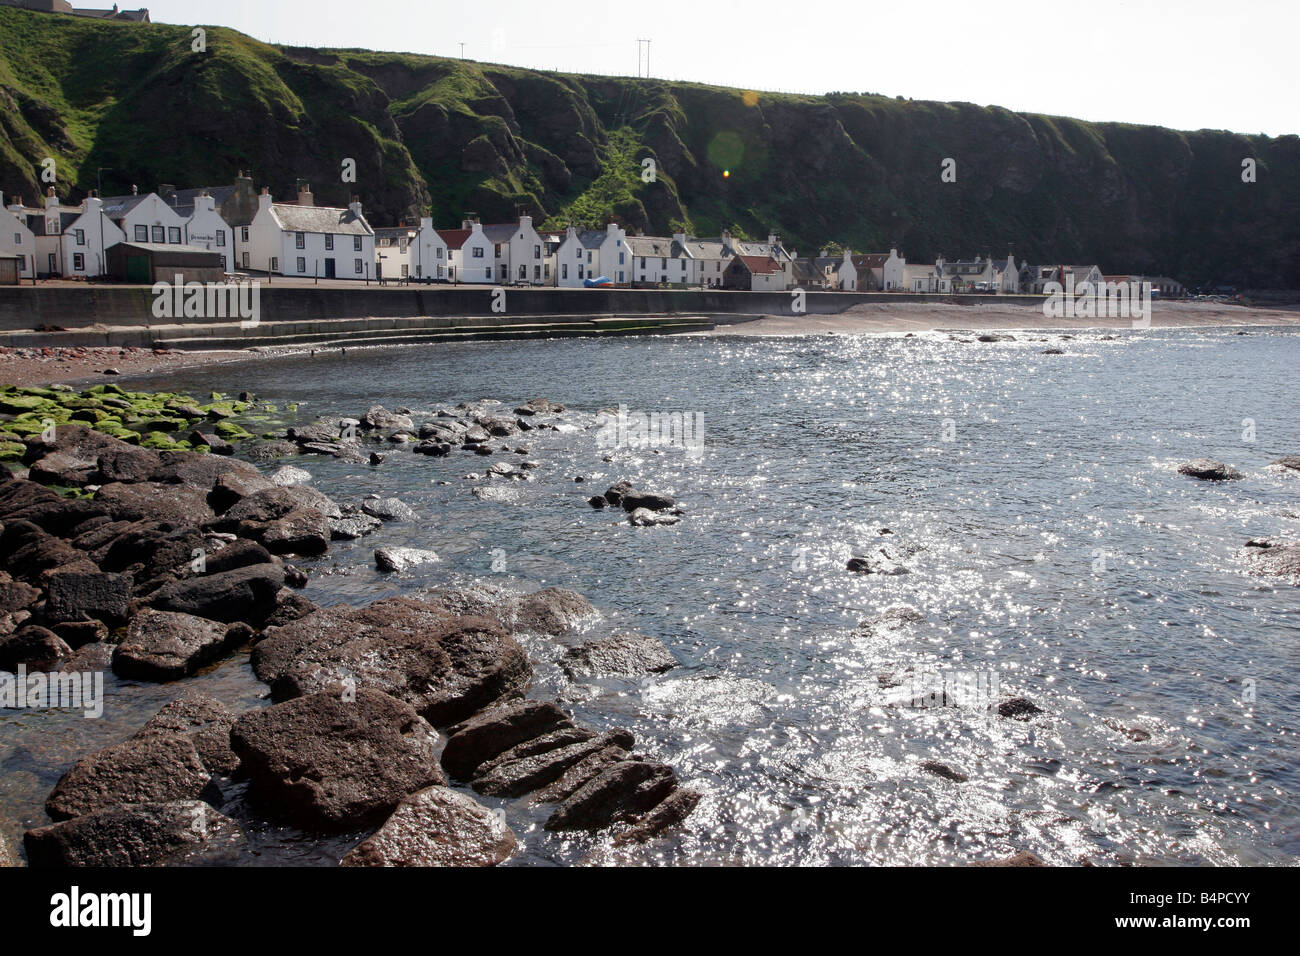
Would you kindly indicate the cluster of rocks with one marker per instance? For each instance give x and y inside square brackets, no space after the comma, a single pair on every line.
[644,508]
[157,420]
[476,427]
[175,554]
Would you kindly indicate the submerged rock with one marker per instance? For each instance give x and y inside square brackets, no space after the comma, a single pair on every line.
[620,793]
[1018,708]
[553,611]
[623,655]
[436,827]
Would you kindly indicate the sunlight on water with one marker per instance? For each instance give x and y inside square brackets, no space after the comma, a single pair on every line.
[1032,501]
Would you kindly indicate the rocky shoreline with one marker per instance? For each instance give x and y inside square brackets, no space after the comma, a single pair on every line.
[130,544]
[134,540]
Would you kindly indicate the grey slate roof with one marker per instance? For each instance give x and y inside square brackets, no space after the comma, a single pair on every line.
[116,207]
[182,200]
[320,219]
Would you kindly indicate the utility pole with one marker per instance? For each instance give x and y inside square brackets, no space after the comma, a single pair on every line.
[462,50]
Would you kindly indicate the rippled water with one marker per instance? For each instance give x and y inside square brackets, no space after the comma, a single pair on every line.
[1050,542]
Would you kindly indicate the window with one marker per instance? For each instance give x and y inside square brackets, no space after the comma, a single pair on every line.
[588,257]
[439,272]
[663,263]
[329,243]
[406,271]
[579,272]
[439,255]
[18,238]
[275,263]
[356,243]
[78,262]
[243,259]
[243,235]
[537,273]
[643,262]
[620,257]
[299,241]
[81,236]
[302,264]
[547,271]
[564,270]
[498,250]
[52,227]
[174,235]
[142,234]
[487,273]
[221,238]
[356,266]
[537,252]
[523,271]
[478,254]
[159,234]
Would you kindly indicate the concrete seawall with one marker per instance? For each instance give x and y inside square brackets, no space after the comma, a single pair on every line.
[111,315]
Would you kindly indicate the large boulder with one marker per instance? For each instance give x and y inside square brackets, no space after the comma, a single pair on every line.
[242,594]
[167,645]
[445,667]
[403,559]
[379,417]
[139,834]
[493,732]
[623,655]
[78,596]
[1282,559]
[28,552]
[205,721]
[198,470]
[334,761]
[232,487]
[174,505]
[304,531]
[148,769]
[436,827]
[72,458]
[274,503]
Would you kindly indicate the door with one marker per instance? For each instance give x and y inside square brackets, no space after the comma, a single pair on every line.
[137,269]
[329,268]
[53,264]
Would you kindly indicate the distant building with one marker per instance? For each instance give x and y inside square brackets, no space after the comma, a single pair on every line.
[588,253]
[62,6]
[430,257]
[393,248]
[886,269]
[303,239]
[659,260]
[754,274]
[16,239]
[469,253]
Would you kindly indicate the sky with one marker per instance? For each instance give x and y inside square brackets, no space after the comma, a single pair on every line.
[1185,64]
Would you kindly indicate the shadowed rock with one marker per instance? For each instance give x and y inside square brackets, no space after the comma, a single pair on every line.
[1018,708]
[436,827]
[552,611]
[519,771]
[35,647]
[620,793]
[243,594]
[670,812]
[76,596]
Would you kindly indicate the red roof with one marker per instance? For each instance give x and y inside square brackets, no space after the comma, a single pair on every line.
[871,260]
[760,265]
[454,238]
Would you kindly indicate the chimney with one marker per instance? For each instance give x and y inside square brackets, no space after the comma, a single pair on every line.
[305,197]
[134,190]
[771,240]
[167,190]
[264,199]
[525,223]
[354,207]
[426,222]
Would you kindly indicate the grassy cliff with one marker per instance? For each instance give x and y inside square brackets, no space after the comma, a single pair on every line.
[447,136]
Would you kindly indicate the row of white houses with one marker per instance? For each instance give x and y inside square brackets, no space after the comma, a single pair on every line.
[254,233]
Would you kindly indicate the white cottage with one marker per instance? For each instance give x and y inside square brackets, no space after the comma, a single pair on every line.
[206,229]
[394,246]
[309,241]
[85,240]
[146,218]
[470,254]
[17,239]
[589,253]
[660,260]
[430,257]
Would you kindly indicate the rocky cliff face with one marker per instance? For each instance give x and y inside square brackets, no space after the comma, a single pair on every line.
[449,137]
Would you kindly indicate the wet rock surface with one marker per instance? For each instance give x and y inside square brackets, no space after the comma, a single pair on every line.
[147,769]
[138,834]
[437,826]
[335,761]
